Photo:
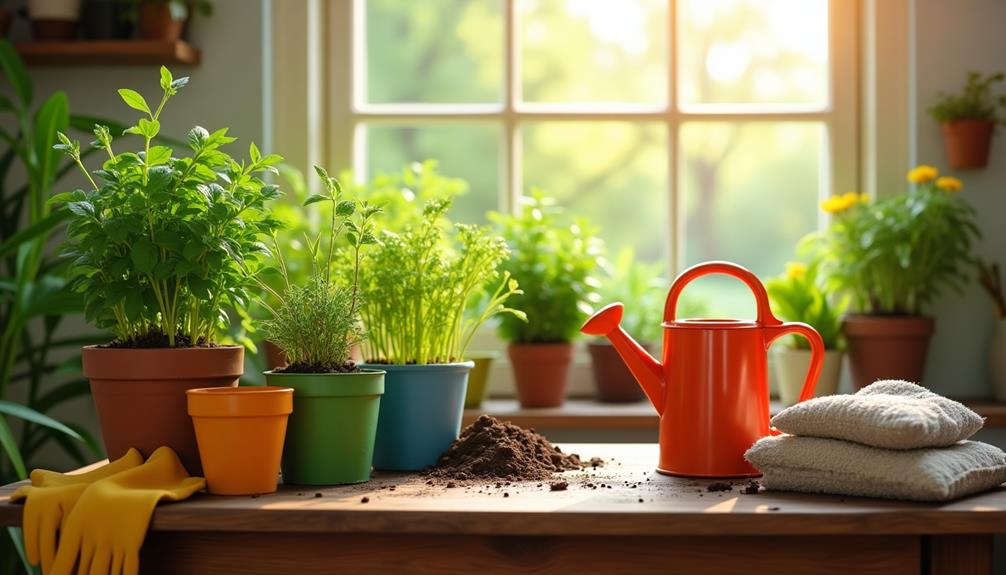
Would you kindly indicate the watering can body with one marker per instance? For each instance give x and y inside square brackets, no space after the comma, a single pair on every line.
[711,385]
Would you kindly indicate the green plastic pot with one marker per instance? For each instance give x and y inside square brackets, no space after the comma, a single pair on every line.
[331,432]
[478,377]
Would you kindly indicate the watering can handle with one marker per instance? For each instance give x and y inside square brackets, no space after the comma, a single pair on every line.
[816,355]
[765,316]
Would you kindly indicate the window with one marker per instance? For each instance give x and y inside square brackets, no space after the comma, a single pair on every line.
[688,129]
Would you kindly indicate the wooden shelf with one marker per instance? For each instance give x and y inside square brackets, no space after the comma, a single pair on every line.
[590,414]
[109,53]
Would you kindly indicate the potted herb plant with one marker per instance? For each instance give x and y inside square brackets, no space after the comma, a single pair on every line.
[641,284]
[893,257]
[557,259]
[161,246]
[990,279]
[418,286]
[969,119]
[797,295]
[336,404]
[53,20]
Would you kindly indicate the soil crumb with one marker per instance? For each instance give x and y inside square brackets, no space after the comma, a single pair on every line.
[559,486]
[719,486]
[365,500]
[490,448]
[751,488]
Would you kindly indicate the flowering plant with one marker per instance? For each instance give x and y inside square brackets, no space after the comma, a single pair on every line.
[797,295]
[895,255]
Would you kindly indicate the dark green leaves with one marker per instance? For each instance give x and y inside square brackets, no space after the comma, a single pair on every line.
[144,256]
[315,198]
[134,100]
[15,72]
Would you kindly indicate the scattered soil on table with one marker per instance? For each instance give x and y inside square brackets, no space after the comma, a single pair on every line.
[559,486]
[365,500]
[751,488]
[490,448]
[719,486]
[348,367]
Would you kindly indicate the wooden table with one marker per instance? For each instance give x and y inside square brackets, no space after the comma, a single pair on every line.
[597,525]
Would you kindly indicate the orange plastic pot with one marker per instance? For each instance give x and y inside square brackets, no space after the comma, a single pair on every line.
[240,432]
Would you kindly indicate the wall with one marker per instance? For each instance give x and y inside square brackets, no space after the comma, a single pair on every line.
[950,39]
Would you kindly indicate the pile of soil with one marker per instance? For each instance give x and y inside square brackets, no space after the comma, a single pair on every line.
[490,448]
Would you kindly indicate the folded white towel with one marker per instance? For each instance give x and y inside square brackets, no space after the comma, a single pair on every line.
[817,465]
[890,413]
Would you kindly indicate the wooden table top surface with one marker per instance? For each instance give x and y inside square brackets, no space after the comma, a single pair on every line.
[670,506]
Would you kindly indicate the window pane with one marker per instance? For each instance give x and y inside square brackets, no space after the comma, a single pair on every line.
[593,50]
[434,51]
[753,52]
[466,151]
[750,192]
[613,173]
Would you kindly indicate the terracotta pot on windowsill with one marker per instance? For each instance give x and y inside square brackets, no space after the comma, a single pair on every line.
[967,143]
[541,372]
[613,382]
[887,347]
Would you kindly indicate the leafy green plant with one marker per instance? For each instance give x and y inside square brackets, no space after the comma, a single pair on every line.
[165,244]
[557,259]
[975,102]
[797,295]
[420,282]
[894,256]
[317,324]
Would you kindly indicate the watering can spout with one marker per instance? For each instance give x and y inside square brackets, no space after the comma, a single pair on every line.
[647,371]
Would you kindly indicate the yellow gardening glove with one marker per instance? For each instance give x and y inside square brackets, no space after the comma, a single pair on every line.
[106,529]
[49,500]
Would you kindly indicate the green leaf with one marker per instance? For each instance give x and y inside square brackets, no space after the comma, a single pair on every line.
[29,414]
[166,79]
[158,155]
[315,198]
[134,303]
[144,256]
[134,100]
[15,71]
[254,153]
[9,445]
[51,118]
[192,250]
[199,287]
[83,209]
[345,208]
[149,128]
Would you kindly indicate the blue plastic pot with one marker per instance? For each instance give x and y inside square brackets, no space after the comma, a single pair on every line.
[420,413]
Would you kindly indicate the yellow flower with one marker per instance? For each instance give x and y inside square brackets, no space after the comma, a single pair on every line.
[795,270]
[922,174]
[864,198]
[836,204]
[949,184]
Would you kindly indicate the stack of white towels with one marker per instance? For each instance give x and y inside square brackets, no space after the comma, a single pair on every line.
[892,439]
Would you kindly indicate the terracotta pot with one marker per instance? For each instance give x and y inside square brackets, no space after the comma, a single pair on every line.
[791,367]
[997,360]
[139,395]
[613,382]
[155,22]
[887,347]
[967,143]
[541,372]
[54,20]
[240,432]
[478,378]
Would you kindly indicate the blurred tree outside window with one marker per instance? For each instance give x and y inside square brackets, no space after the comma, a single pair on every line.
[689,129]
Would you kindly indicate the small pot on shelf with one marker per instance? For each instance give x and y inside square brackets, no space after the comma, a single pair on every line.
[887,347]
[162,20]
[53,20]
[967,143]
[240,432]
[541,372]
[613,382]
[791,366]
[478,378]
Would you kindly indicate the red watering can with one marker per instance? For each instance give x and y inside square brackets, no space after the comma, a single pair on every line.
[711,389]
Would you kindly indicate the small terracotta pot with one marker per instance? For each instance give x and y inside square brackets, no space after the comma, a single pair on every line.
[887,347]
[240,431]
[997,360]
[967,143]
[541,372]
[139,395]
[613,382]
[791,367]
[155,22]
[478,378]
